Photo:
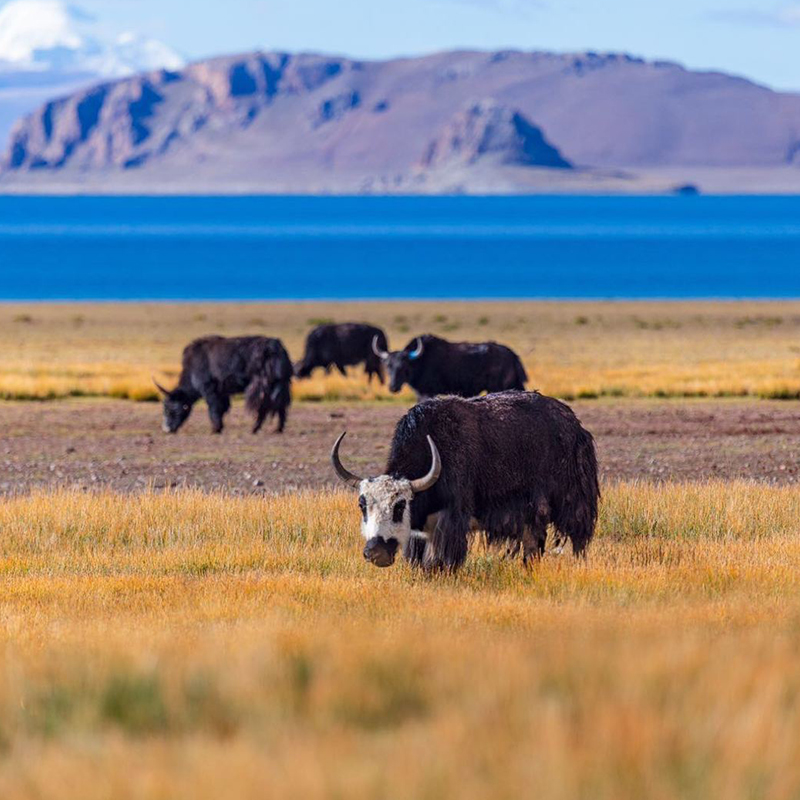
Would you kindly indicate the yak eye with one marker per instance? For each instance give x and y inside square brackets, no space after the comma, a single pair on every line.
[186,408]
[362,504]
[398,511]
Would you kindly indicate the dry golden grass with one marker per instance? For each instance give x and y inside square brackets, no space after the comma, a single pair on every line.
[570,349]
[190,645]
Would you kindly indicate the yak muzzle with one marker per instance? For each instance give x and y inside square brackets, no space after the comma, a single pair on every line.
[380,552]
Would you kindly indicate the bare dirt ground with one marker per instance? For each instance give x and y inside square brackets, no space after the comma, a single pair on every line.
[119,445]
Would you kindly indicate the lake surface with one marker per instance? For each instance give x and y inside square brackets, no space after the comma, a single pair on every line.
[442,247]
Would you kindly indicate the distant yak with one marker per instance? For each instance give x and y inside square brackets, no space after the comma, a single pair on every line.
[432,366]
[216,367]
[341,346]
[508,464]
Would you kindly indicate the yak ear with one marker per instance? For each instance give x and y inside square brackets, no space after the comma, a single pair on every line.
[164,392]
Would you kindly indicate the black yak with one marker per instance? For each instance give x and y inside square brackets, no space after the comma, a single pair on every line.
[215,367]
[508,464]
[431,366]
[341,346]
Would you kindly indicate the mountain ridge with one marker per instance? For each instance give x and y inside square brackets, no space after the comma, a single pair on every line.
[311,122]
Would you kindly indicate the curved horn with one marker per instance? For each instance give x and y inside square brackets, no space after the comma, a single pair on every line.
[160,388]
[348,477]
[382,354]
[417,351]
[421,484]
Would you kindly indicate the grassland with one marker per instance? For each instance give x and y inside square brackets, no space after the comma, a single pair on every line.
[193,645]
[570,349]
[197,644]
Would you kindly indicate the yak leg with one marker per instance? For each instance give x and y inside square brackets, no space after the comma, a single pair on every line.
[532,544]
[559,543]
[416,547]
[449,541]
[414,551]
[534,537]
[341,368]
[374,367]
[218,405]
[512,549]
[281,419]
[260,417]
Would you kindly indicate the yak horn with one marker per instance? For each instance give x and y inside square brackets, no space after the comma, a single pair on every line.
[417,351]
[421,484]
[348,477]
[382,354]
[160,387]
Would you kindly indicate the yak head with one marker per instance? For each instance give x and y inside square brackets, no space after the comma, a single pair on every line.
[401,364]
[177,407]
[385,504]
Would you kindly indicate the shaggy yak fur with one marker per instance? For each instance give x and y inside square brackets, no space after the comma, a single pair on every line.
[216,367]
[459,368]
[341,346]
[512,463]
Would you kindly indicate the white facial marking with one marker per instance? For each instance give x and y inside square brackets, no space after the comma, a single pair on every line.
[382,499]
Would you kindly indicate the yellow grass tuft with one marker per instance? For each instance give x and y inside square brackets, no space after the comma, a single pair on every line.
[187,644]
[594,349]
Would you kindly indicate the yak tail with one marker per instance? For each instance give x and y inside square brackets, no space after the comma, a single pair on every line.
[281,395]
[257,394]
[263,393]
[271,389]
[576,514]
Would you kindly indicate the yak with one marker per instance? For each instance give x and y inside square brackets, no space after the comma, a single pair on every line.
[216,367]
[433,366]
[508,464]
[343,345]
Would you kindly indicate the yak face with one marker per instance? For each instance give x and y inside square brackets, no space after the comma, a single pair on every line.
[400,370]
[302,369]
[177,407]
[402,366]
[385,504]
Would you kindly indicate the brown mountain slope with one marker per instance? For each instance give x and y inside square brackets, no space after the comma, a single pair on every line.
[313,123]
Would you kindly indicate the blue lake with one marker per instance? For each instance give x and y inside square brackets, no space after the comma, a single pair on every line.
[443,247]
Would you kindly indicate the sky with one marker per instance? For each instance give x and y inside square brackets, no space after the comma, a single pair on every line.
[756,38]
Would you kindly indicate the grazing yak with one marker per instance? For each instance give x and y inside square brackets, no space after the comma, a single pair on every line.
[215,367]
[508,464]
[431,366]
[341,346]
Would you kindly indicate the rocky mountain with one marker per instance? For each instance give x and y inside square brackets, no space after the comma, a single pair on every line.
[49,48]
[487,131]
[454,121]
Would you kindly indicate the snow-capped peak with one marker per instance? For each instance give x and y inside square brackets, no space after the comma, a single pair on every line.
[51,36]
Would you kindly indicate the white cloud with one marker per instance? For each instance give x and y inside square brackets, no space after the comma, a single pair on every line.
[52,36]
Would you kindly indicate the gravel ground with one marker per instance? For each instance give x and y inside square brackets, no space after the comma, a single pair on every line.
[118,445]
